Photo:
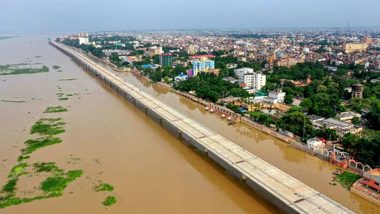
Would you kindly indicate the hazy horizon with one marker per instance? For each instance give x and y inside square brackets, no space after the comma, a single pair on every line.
[120,15]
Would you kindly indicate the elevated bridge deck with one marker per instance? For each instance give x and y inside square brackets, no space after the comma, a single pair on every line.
[284,191]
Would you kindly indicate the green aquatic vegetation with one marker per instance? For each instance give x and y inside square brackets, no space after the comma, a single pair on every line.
[7,37]
[55,109]
[23,157]
[53,186]
[18,170]
[35,144]
[48,126]
[63,98]
[10,201]
[17,69]
[47,167]
[347,179]
[13,101]
[103,187]
[74,174]
[10,186]
[109,201]
[69,79]
[59,181]
[56,67]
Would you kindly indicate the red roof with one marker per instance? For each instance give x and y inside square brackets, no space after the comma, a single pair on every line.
[202,56]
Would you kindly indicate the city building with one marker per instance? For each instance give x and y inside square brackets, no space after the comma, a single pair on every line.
[245,76]
[181,77]
[368,187]
[202,65]
[354,47]
[150,66]
[231,80]
[357,90]
[166,60]
[315,144]
[83,39]
[347,116]
[288,61]
[367,40]
[377,65]
[155,51]
[275,97]
[250,79]
[341,128]
[259,81]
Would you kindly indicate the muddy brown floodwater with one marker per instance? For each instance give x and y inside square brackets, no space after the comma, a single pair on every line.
[151,170]
[311,170]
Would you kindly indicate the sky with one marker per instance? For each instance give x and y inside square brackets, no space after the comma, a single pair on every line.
[114,15]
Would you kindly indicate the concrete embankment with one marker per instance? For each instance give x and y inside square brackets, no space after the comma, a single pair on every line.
[284,191]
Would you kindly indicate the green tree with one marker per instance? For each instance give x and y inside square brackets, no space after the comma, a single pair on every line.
[374,115]
[306,104]
[365,149]
[323,105]
[288,99]
[298,123]
[355,120]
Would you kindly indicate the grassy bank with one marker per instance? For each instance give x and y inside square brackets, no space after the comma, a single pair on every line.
[346,179]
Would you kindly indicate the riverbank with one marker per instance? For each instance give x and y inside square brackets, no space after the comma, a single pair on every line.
[312,170]
[253,171]
[111,142]
[243,119]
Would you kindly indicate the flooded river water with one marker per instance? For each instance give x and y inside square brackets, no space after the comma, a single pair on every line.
[151,170]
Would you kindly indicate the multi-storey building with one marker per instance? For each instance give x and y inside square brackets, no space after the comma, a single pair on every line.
[83,39]
[354,47]
[250,79]
[166,60]
[259,81]
[155,51]
[202,64]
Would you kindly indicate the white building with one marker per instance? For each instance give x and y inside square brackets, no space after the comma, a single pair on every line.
[347,116]
[241,71]
[276,97]
[250,79]
[259,81]
[83,39]
[315,144]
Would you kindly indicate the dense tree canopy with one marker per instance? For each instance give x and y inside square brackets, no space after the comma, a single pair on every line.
[211,87]
[298,123]
[365,149]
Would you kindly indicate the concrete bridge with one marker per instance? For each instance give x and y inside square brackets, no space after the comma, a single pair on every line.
[279,188]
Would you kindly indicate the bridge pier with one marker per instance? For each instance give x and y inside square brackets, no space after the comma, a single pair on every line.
[279,188]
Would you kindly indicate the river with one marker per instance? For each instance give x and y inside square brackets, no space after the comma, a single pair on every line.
[152,171]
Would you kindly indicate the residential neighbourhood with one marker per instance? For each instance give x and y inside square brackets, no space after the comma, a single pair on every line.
[319,89]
